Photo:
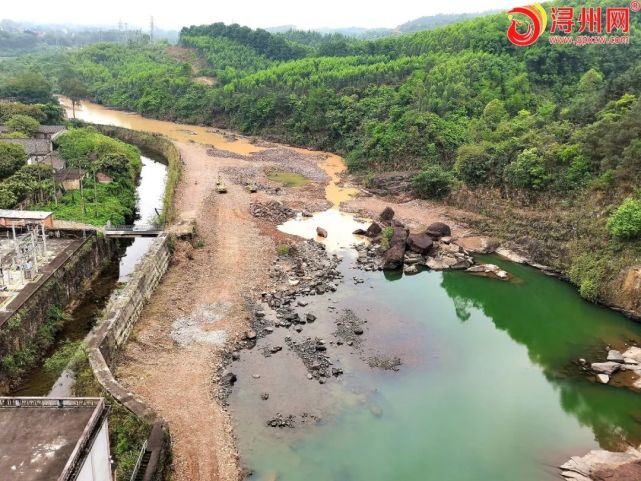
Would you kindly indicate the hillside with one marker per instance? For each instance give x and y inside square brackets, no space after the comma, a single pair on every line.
[552,129]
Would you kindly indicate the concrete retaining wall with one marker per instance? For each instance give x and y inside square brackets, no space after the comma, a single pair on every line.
[120,315]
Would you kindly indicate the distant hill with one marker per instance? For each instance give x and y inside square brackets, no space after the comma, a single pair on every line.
[418,24]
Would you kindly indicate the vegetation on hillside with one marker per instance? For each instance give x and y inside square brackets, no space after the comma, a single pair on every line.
[461,103]
[97,203]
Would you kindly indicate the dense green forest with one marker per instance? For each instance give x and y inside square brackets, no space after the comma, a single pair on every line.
[460,104]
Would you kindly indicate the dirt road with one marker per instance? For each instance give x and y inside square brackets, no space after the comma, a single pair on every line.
[206,286]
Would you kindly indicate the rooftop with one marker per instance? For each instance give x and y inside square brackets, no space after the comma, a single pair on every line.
[43,129]
[24,214]
[32,146]
[69,174]
[43,438]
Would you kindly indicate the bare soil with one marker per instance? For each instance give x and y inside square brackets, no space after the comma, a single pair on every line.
[173,369]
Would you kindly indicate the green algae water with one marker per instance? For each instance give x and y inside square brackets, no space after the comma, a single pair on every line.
[488,389]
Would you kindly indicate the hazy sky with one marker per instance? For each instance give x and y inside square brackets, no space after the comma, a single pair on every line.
[254,13]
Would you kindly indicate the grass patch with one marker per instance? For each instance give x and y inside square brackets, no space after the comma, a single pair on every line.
[288,179]
[68,354]
[282,250]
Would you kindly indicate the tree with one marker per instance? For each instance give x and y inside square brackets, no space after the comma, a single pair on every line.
[527,171]
[7,199]
[12,157]
[75,89]
[23,124]
[28,87]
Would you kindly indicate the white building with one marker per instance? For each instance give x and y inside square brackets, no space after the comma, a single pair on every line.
[45,439]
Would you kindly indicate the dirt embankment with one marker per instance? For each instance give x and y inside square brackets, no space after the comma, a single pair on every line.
[200,309]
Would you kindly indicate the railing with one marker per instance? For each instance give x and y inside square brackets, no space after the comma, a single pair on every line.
[37,402]
[135,228]
[143,450]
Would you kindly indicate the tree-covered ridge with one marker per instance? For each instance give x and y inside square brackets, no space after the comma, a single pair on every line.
[461,97]
[273,47]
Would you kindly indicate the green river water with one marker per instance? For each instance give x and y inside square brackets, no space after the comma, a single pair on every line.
[488,389]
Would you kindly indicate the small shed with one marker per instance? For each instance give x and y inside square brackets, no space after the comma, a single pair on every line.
[20,218]
[70,178]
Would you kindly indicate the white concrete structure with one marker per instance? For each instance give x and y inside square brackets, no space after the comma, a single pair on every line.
[45,439]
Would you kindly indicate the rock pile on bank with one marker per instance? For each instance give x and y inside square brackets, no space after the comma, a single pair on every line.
[272,211]
[393,247]
[629,360]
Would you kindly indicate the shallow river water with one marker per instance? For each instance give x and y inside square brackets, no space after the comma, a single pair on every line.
[488,388]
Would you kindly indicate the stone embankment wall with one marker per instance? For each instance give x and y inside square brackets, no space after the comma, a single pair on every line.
[120,315]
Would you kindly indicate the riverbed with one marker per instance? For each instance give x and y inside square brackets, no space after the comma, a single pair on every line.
[455,377]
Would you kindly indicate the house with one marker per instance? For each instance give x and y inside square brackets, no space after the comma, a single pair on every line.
[47,132]
[104,178]
[36,149]
[70,178]
[20,218]
[45,439]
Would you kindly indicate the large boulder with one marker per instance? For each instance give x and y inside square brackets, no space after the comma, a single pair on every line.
[387,215]
[399,237]
[320,232]
[419,243]
[374,229]
[438,230]
[609,367]
[394,257]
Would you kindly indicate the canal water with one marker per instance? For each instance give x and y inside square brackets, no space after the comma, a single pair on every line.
[486,387]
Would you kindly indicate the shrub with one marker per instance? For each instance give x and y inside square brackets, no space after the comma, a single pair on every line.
[527,171]
[434,182]
[12,157]
[589,271]
[473,164]
[625,222]
[23,124]
[282,249]
[386,240]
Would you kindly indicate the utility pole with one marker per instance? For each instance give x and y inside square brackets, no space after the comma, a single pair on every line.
[151,30]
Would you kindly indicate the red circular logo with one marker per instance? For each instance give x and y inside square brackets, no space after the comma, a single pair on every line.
[535,19]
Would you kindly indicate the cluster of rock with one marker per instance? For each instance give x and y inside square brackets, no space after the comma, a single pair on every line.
[290,160]
[393,247]
[312,352]
[630,360]
[224,154]
[272,210]
[349,329]
[312,272]
[391,183]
